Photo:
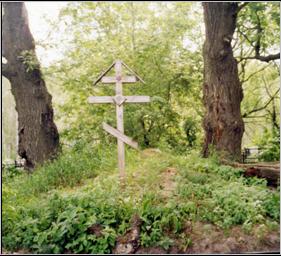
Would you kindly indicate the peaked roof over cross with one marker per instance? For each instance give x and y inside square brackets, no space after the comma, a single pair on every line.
[111,66]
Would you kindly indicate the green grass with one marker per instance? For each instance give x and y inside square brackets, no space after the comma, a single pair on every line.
[70,169]
[51,210]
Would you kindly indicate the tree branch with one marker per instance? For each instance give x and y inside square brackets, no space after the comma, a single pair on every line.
[254,73]
[241,6]
[255,116]
[257,44]
[246,37]
[261,108]
[267,58]
[266,88]
[259,31]
[249,52]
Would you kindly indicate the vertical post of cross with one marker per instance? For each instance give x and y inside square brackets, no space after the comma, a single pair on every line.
[119,117]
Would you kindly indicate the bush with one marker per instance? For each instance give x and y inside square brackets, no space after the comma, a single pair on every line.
[272,150]
[271,144]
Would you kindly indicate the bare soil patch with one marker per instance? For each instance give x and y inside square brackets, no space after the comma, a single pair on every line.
[168,184]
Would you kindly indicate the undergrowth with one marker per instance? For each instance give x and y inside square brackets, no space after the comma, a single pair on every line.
[53,209]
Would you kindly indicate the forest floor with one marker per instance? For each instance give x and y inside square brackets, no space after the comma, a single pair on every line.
[181,205]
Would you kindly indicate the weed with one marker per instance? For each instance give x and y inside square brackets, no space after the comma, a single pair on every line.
[80,190]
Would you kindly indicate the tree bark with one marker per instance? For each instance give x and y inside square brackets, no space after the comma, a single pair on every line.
[38,134]
[222,91]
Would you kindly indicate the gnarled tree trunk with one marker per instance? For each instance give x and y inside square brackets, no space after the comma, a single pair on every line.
[38,135]
[222,92]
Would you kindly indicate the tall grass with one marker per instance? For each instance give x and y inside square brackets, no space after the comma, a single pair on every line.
[74,165]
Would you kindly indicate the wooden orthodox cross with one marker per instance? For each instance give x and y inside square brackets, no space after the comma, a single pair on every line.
[119,99]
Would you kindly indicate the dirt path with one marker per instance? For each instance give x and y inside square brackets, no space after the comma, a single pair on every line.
[209,239]
[168,184]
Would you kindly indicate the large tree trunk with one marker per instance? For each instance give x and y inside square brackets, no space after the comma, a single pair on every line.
[38,135]
[222,93]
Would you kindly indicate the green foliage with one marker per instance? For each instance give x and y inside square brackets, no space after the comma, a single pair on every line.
[157,219]
[263,15]
[225,198]
[260,126]
[70,169]
[80,162]
[190,129]
[9,172]
[64,224]
[80,189]
[272,206]
[66,218]
[161,41]
[257,25]
[270,142]
[29,59]
[9,211]
[148,37]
